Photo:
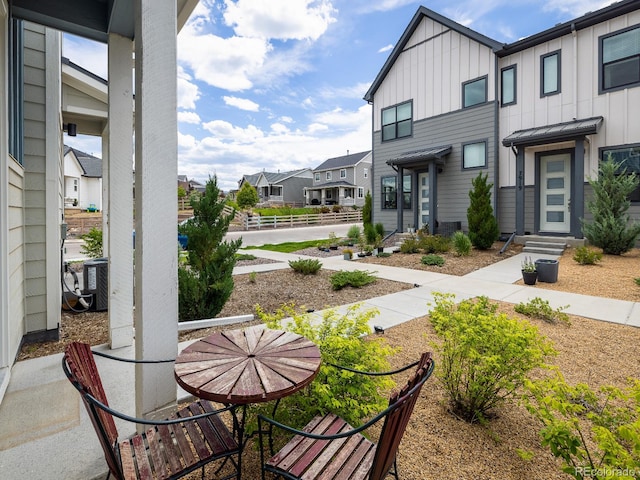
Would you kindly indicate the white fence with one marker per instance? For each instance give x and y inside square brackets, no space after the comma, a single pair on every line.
[258,222]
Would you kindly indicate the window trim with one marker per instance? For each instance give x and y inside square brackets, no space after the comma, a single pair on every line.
[343,173]
[383,195]
[15,86]
[486,154]
[601,39]
[327,175]
[316,177]
[486,90]
[382,125]
[601,151]
[360,192]
[366,172]
[407,205]
[515,85]
[559,74]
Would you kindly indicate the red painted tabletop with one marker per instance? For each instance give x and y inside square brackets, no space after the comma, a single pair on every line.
[248,365]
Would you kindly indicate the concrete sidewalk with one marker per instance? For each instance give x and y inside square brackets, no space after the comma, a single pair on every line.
[46,434]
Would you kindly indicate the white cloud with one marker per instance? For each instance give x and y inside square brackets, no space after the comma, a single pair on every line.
[280,19]
[286,119]
[367,6]
[189,117]
[223,130]
[386,48]
[356,91]
[241,103]
[188,92]
[575,8]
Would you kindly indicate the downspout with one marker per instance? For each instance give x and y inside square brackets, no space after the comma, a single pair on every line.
[373,161]
[496,140]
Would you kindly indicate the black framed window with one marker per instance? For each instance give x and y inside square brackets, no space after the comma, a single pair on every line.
[550,80]
[620,59]
[389,193]
[406,191]
[474,92]
[16,89]
[508,76]
[360,192]
[628,156]
[396,121]
[474,155]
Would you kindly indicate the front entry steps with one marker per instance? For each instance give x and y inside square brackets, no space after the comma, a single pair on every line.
[547,245]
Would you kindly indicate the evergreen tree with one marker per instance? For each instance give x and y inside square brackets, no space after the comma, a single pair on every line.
[206,284]
[366,209]
[610,228]
[247,196]
[483,226]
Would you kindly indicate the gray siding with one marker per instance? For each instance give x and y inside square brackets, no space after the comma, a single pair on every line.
[457,128]
[360,181]
[293,189]
[507,209]
[35,177]
[16,250]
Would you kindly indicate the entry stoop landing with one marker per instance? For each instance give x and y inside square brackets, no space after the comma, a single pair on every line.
[546,244]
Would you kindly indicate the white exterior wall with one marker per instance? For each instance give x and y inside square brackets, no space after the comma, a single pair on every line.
[579,98]
[459,59]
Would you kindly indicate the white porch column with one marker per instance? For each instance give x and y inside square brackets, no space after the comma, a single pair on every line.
[156,200]
[105,188]
[118,201]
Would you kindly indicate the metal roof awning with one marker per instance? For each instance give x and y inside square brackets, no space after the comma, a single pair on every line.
[553,133]
[416,157]
[331,185]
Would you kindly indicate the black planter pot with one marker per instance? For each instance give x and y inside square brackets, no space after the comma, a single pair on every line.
[529,277]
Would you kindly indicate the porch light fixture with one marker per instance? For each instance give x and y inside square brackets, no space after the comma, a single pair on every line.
[70,128]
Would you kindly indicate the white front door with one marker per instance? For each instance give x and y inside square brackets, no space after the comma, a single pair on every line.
[423,200]
[555,193]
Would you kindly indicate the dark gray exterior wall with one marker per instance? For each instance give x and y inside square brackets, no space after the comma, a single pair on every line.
[293,189]
[457,128]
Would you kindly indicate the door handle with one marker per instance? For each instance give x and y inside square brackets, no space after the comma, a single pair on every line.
[569,205]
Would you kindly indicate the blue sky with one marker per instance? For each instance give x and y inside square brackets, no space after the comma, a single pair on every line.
[277,85]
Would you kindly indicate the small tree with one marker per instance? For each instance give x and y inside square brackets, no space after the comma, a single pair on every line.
[206,283]
[610,228]
[483,226]
[92,246]
[247,197]
[366,210]
[181,192]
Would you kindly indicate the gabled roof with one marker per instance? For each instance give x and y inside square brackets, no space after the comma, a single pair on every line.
[554,133]
[273,177]
[404,39]
[348,160]
[91,166]
[592,18]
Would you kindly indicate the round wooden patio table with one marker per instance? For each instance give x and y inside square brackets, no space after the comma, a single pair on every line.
[248,365]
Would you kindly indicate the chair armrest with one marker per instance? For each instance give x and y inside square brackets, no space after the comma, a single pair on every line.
[129,360]
[374,374]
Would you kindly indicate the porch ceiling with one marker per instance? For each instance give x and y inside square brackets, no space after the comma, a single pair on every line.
[418,157]
[553,133]
[94,19]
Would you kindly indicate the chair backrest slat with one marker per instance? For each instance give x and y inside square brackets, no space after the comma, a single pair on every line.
[86,378]
[397,419]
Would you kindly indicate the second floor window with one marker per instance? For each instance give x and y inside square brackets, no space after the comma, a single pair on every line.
[317,177]
[328,176]
[508,86]
[474,92]
[620,59]
[396,121]
[343,173]
[550,74]
[366,173]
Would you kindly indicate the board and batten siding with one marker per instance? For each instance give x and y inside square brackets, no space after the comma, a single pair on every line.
[579,97]
[16,260]
[471,125]
[431,70]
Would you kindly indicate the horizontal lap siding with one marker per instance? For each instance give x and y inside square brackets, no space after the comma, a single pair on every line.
[16,257]
[35,178]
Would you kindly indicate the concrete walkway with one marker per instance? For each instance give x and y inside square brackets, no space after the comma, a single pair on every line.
[46,434]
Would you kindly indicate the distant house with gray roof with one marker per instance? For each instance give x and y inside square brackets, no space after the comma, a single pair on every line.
[341,180]
[82,180]
[280,187]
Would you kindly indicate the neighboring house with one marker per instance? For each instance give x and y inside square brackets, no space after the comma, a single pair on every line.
[190,185]
[341,180]
[82,180]
[536,116]
[280,188]
[42,96]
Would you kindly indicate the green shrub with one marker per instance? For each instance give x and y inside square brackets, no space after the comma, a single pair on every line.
[253,277]
[379,229]
[341,339]
[370,233]
[353,278]
[92,246]
[383,255]
[539,308]
[306,266]
[461,244]
[432,259]
[247,196]
[483,226]
[595,433]
[587,256]
[354,232]
[336,209]
[367,209]
[410,245]
[484,356]
[433,243]
[611,228]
